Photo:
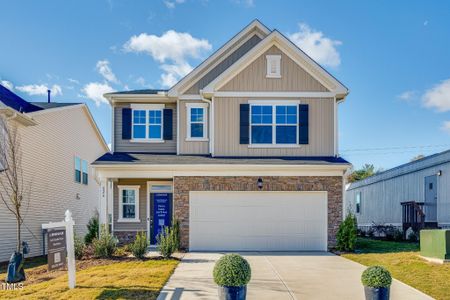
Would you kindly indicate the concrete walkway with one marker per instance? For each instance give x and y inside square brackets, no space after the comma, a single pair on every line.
[280,276]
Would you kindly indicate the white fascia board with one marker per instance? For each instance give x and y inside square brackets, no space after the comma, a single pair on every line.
[174,91]
[277,39]
[170,171]
[21,118]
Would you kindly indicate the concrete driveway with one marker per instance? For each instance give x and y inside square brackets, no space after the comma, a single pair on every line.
[280,276]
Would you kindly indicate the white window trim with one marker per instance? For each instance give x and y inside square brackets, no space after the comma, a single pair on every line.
[274,104]
[204,106]
[276,59]
[75,169]
[147,107]
[136,202]
[358,195]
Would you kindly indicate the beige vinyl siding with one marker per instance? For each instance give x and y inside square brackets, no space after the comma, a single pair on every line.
[293,77]
[222,66]
[190,147]
[121,145]
[226,132]
[49,149]
[128,226]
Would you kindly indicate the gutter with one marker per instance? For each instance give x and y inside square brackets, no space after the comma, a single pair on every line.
[210,123]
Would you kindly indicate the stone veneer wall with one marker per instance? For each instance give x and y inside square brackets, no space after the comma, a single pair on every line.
[332,184]
[126,237]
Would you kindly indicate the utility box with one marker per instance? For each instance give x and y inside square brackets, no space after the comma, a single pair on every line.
[435,245]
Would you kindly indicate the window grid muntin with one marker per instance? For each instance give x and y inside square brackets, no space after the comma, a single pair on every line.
[289,108]
[152,124]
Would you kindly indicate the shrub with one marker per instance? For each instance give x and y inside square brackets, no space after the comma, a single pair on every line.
[346,235]
[122,251]
[165,241]
[397,235]
[79,247]
[370,233]
[176,234]
[232,270]
[376,277]
[413,236]
[139,246]
[105,245]
[93,228]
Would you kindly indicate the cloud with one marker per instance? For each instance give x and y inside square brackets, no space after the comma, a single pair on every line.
[73,80]
[142,82]
[7,84]
[322,49]
[104,69]
[172,4]
[446,126]
[172,49]
[248,3]
[40,89]
[407,95]
[438,97]
[95,90]
[425,23]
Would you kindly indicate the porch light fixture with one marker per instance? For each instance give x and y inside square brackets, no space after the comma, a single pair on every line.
[439,173]
[260,183]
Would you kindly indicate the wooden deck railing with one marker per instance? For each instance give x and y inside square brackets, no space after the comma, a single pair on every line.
[413,215]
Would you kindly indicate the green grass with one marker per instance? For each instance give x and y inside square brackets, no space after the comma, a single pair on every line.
[121,280]
[403,261]
[31,262]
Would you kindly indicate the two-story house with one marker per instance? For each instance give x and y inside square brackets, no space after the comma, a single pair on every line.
[243,151]
[58,142]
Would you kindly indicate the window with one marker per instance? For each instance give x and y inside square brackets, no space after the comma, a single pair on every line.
[77,169]
[147,122]
[273,66]
[196,117]
[129,204]
[84,169]
[358,202]
[274,124]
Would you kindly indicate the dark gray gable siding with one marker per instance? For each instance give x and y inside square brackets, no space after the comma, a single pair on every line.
[121,145]
[217,70]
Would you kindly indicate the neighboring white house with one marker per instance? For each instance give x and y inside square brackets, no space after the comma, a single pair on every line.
[59,141]
[419,189]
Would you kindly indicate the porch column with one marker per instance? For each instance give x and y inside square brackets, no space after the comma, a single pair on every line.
[103,207]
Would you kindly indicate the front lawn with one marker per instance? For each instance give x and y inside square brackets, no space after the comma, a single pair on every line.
[403,261]
[121,279]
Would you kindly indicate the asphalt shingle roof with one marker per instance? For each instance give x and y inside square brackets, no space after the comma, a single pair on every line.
[46,105]
[118,158]
[12,100]
[139,92]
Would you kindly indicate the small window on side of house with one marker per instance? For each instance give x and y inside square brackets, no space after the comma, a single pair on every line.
[273,66]
[84,169]
[77,169]
[358,203]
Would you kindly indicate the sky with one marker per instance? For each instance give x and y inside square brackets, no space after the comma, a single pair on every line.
[392,55]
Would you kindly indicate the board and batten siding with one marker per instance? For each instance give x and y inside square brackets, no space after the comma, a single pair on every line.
[191,147]
[293,77]
[121,145]
[382,195]
[131,226]
[226,130]
[227,62]
[49,149]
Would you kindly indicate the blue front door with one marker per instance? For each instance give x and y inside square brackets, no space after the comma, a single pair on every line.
[161,206]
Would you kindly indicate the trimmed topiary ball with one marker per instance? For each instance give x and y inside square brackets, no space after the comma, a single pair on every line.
[232,270]
[376,277]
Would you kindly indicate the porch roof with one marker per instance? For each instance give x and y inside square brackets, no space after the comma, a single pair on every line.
[126,158]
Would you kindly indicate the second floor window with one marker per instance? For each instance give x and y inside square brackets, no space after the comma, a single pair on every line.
[274,124]
[147,124]
[196,116]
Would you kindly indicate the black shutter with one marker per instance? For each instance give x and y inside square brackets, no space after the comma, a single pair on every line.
[126,123]
[303,124]
[244,123]
[168,124]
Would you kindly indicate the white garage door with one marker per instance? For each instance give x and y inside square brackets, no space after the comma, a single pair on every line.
[258,221]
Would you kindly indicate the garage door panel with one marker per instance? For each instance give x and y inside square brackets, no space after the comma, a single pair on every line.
[270,221]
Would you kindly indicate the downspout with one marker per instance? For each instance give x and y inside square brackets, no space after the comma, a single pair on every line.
[210,123]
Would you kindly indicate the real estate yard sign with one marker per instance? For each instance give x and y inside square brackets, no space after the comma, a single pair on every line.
[56,241]
[60,242]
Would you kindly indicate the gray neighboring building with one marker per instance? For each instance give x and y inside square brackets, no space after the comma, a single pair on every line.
[423,184]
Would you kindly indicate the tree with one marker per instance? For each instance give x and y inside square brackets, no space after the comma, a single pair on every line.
[13,190]
[366,171]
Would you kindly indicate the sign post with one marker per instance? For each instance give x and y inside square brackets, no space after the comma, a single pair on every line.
[60,241]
